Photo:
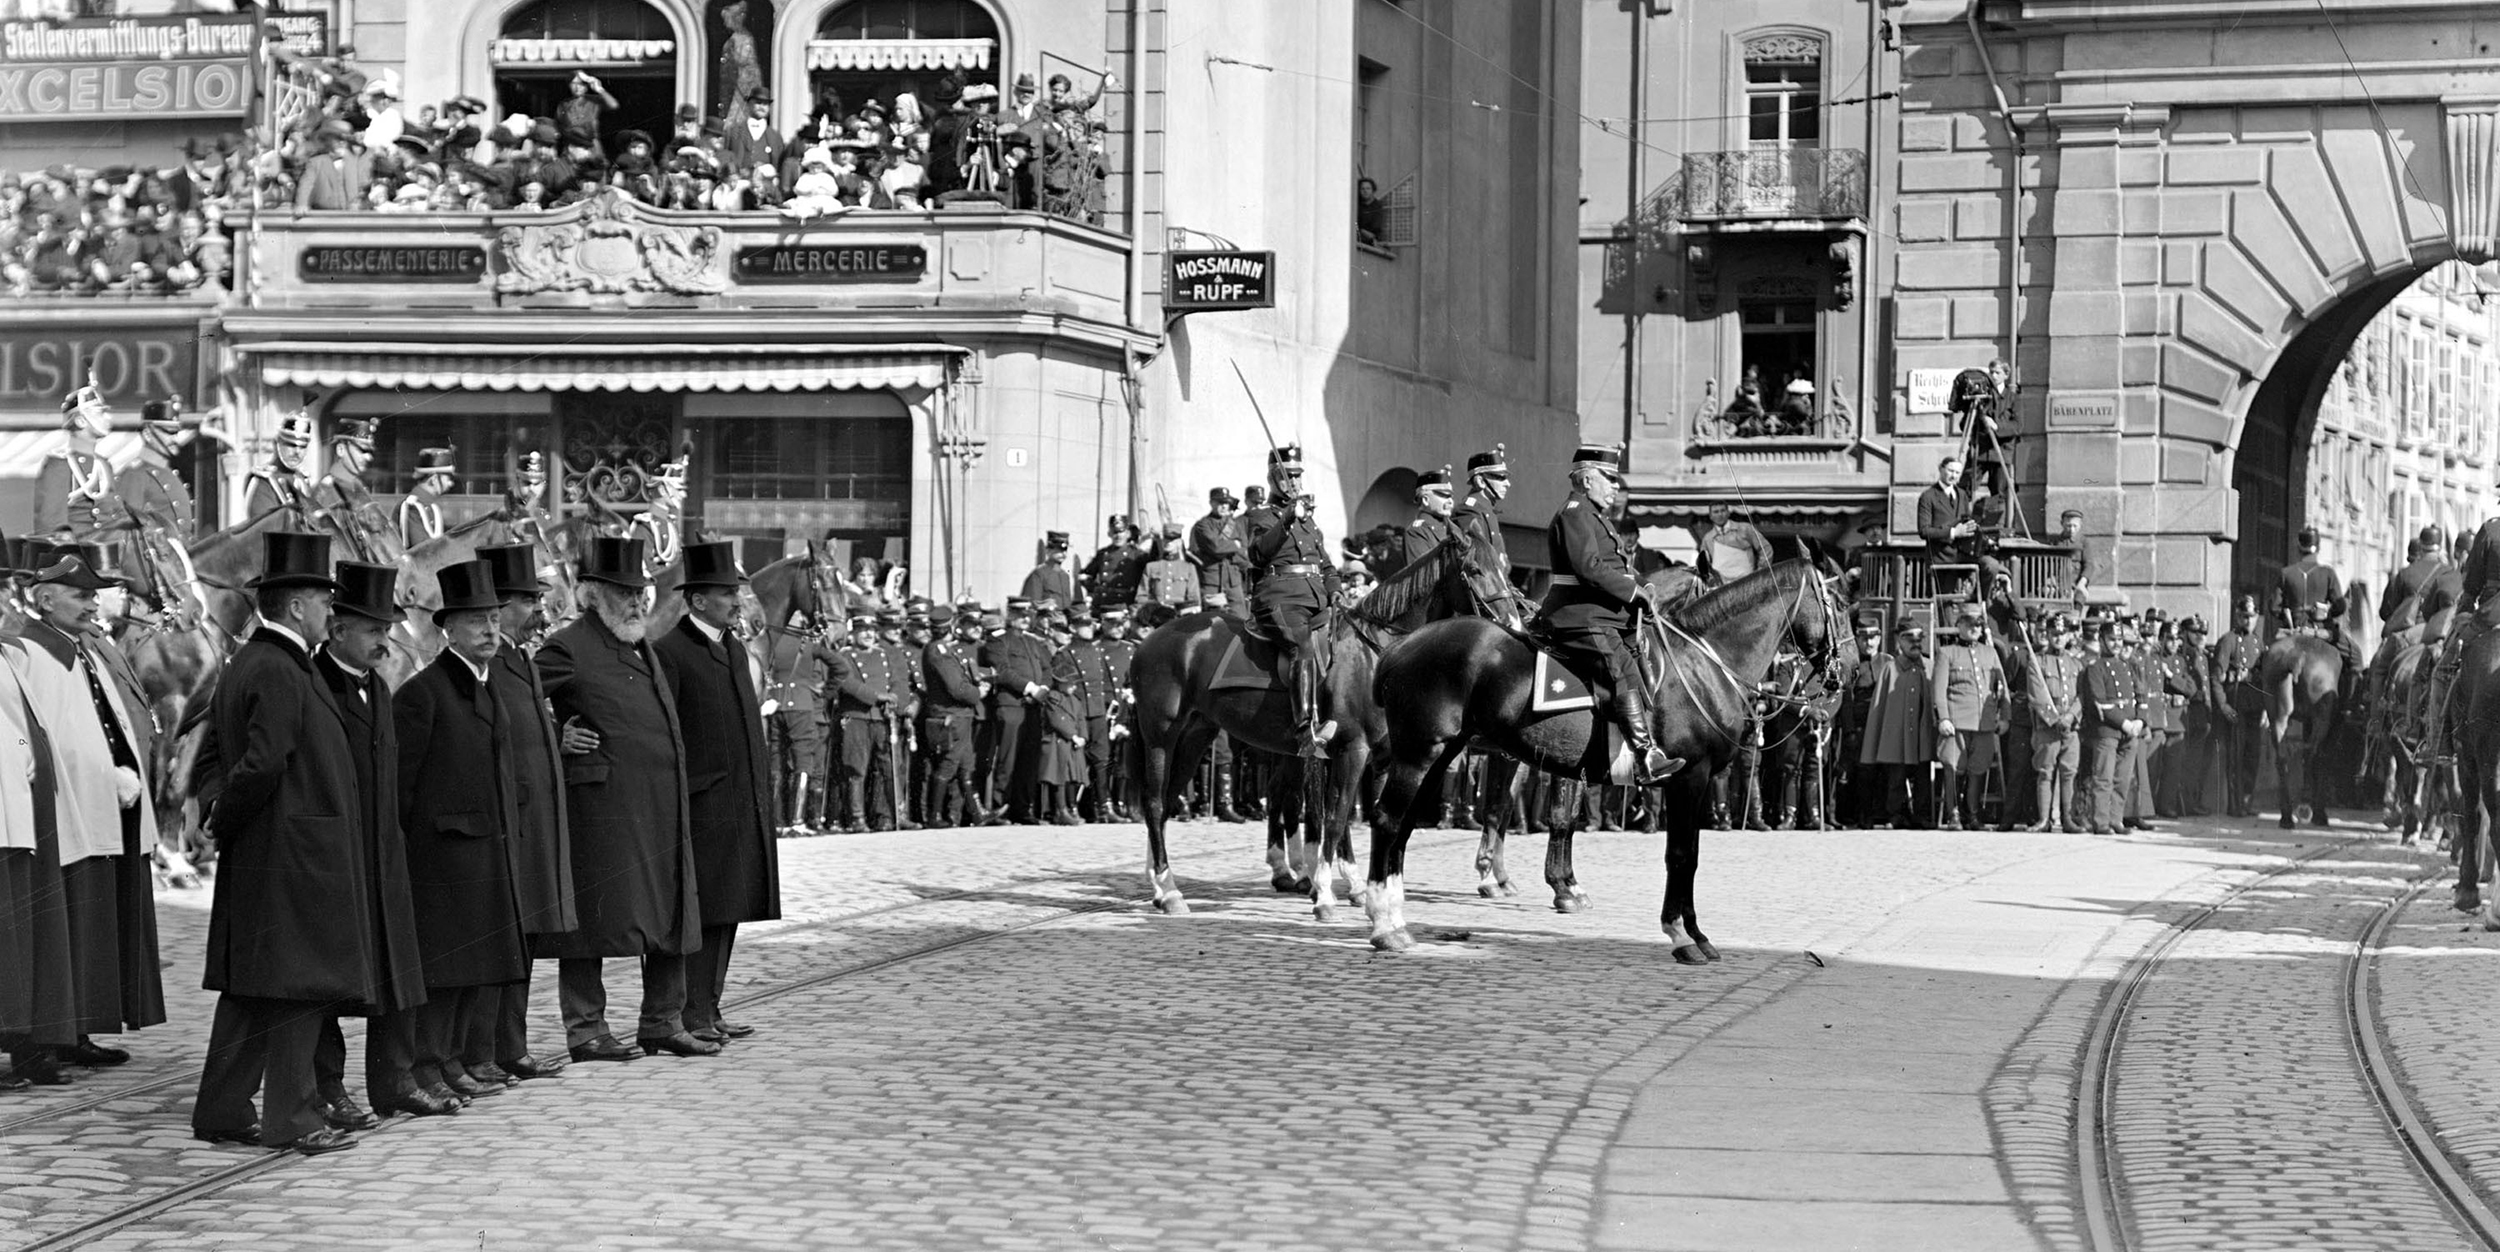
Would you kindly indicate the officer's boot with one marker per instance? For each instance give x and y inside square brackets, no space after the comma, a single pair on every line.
[2044,799]
[855,808]
[1650,764]
[1223,797]
[1948,798]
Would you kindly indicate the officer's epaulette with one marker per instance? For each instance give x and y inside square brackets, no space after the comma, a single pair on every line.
[1571,504]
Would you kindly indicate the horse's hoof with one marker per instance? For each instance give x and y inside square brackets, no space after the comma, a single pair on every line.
[1283,881]
[2287,822]
[1301,886]
[1570,903]
[1172,906]
[1709,950]
[2467,902]
[1324,914]
[1393,940]
[1690,954]
[1485,890]
[1507,889]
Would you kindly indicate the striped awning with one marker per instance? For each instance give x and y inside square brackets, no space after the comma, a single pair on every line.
[22,452]
[788,372]
[580,51]
[900,54]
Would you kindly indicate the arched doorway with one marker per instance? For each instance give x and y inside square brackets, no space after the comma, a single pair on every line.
[877,49]
[628,45]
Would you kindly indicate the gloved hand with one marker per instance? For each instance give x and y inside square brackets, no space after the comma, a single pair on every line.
[126,788]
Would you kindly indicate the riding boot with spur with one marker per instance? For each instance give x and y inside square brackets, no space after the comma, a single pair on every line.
[1650,764]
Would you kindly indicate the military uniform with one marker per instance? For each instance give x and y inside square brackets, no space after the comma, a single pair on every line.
[1049,582]
[2051,689]
[902,662]
[2110,695]
[1478,520]
[796,665]
[1019,663]
[949,711]
[1119,652]
[419,520]
[272,487]
[348,506]
[73,492]
[863,698]
[158,507]
[1589,600]
[2242,708]
[1082,670]
[1966,686]
[1112,576]
[1216,548]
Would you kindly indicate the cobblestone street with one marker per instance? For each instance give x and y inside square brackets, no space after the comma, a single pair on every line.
[980,1039]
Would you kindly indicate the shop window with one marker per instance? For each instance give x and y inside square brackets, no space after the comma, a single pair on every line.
[800,458]
[628,45]
[881,49]
[484,432]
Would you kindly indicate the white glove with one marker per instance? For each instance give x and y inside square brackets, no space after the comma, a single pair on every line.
[1032,691]
[769,706]
[126,786]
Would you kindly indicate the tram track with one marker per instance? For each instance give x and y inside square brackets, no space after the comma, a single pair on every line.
[166,1198]
[2103,1191]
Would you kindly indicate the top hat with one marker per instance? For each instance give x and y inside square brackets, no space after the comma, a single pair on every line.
[516,568]
[434,461]
[1493,462]
[1607,457]
[1432,480]
[13,555]
[616,561]
[466,586]
[293,558]
[355,430]
[712,565]
[369,591]
[1222,495]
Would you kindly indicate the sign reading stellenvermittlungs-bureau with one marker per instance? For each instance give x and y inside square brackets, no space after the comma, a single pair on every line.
[109,69]
[1203,282]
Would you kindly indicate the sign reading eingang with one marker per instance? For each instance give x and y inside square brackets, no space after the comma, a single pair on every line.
[124,67]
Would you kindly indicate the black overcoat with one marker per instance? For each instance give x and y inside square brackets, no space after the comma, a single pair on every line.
[293,917]
[633,856]
[728,776]
[455,807]
[374,740]
[542,854]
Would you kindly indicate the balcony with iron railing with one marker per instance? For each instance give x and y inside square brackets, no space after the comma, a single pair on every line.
[1774,184]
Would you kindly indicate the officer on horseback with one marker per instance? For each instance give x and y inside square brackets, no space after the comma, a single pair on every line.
[2478,593]
[421,510]
[1587,609]
[1297,582]
[1432,527]
[157,504]
[2308,593]
[282,484]
[73,488]
[344,500]
[1479,521]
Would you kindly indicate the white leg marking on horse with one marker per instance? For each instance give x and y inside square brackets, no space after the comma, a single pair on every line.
[1276,857]
[1323,888]
[1378,908]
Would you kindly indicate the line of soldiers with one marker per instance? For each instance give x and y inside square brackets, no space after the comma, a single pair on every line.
[945,715]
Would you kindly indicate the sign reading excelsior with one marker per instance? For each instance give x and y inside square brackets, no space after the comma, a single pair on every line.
[115,68]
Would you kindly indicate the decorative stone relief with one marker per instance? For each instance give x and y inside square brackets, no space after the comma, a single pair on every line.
[607,245]
[2474,178]
[1791,47]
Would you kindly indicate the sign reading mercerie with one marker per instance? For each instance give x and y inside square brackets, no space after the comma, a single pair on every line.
[1206,281]
[199,66]
[406,263]
[824,263]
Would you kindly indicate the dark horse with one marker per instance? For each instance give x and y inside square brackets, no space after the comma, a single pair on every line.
[1467,681]
[2300,675]
[1179,712]
[2474,738]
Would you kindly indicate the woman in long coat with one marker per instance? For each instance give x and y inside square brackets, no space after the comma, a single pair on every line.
[1900,730]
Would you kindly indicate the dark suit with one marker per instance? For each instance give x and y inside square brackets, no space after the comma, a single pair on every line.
[741,152]
[293,933]
[364,705]
[737,864]
[1939,511]
[334,182]
[542,851]
[633,854]
[455,811]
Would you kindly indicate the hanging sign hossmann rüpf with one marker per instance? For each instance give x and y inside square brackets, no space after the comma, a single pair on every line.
[1200,282]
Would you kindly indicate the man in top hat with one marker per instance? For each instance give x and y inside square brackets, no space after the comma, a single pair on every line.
[1590,602]
[1049,582]
[282,483]
[728,778]
[1223,561]
[1479,520]
[625,793]
[1297,584]
[362,617]
[293,933]
[1967,693]
[345,502]
[1018,662]
[456,796]
[1112,576]
[751,139]
[950,715]
[1435,501]
[864,700]
[75,484]
[421,510]
[335,178]
[103,741]
[540,840]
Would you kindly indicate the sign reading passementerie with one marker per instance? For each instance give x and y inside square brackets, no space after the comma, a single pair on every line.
[114,68]
[1197,282]
[832,262]
[404,263]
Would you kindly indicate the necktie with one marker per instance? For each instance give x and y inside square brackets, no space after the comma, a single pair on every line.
[122,755]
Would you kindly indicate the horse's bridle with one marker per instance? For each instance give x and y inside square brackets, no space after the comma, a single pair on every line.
[1824,669]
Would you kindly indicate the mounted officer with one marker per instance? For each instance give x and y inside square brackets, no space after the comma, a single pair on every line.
[74,488]
[2308,594]
[1587,611]
[2478,592]
[1479,521]
[342,497]
[281,483]
[660,527]
[421,510]
[1432,526]
[1296,584]
[157,505]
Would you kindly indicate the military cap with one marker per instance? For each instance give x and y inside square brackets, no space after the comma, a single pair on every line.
[1607,457]
[1220,495]
[1078,616]
[1055,538]
[991,619]
[1495,462]
[2247,603]
[2194,625]
[1172,530]
[1018,605]
[70,568]
[889,617]
[1285,457]
[2308,537]
[938,617]
[863,621]
[1434,480]
[355,430]
[2062,622]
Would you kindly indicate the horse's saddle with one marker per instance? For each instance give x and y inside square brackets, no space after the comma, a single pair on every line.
[1254,660]
[1559,688]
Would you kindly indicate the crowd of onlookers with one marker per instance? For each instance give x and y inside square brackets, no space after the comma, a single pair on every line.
[1753,415]
[127,230]
[367,152]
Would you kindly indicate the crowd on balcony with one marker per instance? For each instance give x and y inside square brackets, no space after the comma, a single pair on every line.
[121,230]
[364,151]
[1750,416]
